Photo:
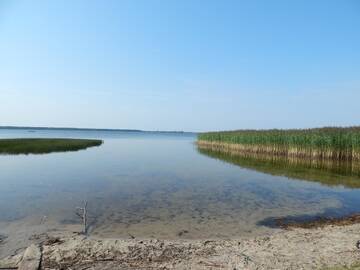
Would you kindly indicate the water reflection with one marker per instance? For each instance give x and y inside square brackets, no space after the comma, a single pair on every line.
[330,173]
[157,185]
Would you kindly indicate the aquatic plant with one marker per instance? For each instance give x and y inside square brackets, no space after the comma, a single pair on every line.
[43,146]
[320,143]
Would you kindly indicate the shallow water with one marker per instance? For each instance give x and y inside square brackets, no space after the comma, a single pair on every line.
[158,185]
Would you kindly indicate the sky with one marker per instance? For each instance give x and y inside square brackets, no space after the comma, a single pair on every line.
[191,65]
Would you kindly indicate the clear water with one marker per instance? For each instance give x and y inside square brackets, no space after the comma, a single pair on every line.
[155,185]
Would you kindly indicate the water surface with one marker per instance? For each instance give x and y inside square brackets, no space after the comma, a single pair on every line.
[159,185]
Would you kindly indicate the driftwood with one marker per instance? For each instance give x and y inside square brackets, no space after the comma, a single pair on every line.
[31,259]
[82,213]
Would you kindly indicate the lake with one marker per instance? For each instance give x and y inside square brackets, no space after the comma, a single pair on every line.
[144,184]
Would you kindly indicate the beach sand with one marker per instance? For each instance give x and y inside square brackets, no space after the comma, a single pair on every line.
[295,248]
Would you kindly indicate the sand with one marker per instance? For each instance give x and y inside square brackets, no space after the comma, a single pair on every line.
[286,249]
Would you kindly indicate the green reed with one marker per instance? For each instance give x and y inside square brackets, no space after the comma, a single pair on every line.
[333,142]
[42,146]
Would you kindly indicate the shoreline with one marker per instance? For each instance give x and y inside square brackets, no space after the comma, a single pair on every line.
[319,222]
[278,151]
[286,249]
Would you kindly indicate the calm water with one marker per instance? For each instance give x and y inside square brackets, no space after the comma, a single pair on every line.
[158,185]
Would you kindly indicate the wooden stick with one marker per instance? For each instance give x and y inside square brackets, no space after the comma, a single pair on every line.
[83,216]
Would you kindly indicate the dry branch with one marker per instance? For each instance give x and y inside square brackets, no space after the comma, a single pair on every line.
[81,212]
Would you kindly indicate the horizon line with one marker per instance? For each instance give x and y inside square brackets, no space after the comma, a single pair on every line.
[93,129]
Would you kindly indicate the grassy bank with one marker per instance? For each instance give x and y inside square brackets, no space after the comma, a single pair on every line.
[319,143]
[43,146]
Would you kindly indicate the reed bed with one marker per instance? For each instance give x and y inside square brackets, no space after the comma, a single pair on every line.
[43,146]
[329,143]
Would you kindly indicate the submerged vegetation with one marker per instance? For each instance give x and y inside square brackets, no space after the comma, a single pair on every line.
[329,143]
[43,146]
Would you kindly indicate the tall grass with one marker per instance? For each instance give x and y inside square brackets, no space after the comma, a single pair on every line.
[42,146]
[320,143]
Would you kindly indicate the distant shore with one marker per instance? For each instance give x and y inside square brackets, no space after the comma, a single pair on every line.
[92,129]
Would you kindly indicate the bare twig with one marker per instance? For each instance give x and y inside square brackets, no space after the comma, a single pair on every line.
[81,212]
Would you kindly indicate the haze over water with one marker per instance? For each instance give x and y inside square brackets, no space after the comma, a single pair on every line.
[155,185]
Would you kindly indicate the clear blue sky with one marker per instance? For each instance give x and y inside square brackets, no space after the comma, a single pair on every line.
[180,65]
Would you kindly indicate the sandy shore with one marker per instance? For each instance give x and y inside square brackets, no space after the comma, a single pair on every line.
[287,249]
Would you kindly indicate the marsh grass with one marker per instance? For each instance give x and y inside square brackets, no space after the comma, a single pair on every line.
[44,146]
[328,143]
